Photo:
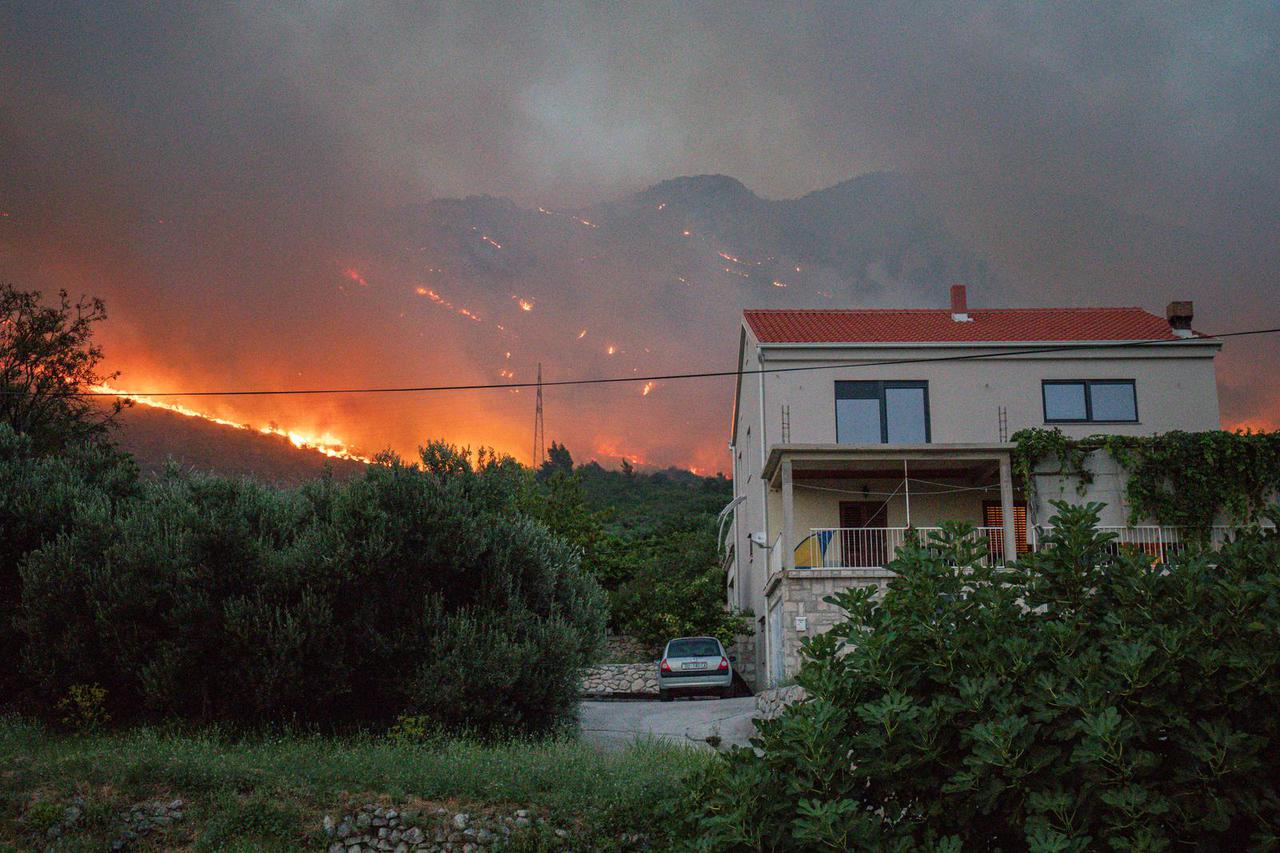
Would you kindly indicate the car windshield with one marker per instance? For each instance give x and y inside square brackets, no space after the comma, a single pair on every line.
[696,647]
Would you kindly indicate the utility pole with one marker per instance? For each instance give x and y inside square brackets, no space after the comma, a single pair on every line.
[539,432]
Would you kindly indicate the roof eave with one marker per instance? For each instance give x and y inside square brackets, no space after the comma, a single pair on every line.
[1090,343]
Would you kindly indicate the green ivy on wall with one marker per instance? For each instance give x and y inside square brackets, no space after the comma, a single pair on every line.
[1177,478]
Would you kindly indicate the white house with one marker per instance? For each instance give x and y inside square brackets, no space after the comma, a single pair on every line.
[851,426]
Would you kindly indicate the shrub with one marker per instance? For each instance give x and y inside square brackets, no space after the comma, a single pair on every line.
[1085,699]
[84,708]
[213,599]
[42,496]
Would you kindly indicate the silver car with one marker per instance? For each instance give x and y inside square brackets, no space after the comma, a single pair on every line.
[694,665]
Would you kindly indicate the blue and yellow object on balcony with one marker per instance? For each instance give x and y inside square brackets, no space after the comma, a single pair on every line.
[811,553]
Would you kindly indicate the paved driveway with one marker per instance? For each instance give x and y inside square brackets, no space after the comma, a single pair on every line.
[688,721]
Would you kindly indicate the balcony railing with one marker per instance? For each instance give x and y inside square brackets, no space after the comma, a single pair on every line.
[875,547]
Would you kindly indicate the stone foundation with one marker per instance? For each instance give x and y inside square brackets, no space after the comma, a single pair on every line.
[769,703]
[804,594]
[620,679]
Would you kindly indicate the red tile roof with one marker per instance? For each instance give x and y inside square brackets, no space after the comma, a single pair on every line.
[930,325]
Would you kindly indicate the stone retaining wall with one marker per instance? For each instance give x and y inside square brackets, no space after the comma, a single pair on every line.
[611,679]
[769,703]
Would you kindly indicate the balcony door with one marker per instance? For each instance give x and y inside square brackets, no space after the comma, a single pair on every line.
[862,535]
[993,520]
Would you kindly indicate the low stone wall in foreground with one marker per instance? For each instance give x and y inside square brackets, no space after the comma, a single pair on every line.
[620,679]
[769,703]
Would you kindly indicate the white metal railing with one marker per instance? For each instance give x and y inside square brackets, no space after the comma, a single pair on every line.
[875,547]
[776,556]
[1162,542]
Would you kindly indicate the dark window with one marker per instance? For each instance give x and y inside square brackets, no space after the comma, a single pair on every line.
[882,412]
[695,647]
[1090,400]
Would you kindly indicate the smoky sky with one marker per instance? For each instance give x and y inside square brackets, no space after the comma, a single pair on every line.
[203,166]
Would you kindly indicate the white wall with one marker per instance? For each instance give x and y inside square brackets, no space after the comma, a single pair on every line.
[1175,388]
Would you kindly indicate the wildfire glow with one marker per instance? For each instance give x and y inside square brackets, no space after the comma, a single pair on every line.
[644,392]
[491,241]
[582,334]
[609,450]
[354,274]
[326,443]
[525,304]
[777,283]
[611,350]
[661,206]
[686,232]
[445,303]
[728,257]
[576,219]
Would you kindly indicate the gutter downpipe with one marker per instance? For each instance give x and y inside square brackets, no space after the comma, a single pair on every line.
[764,490]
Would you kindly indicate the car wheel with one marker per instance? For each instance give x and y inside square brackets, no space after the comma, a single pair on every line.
[664,695]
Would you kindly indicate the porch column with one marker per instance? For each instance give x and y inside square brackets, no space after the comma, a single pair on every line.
[788,517]
[1006,510]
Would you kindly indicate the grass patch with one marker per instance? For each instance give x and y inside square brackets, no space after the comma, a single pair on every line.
[272,792]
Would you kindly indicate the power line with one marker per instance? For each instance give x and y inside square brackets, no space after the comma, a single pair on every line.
[708,374]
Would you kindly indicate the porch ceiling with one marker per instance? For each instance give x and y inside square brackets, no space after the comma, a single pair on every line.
[885,461]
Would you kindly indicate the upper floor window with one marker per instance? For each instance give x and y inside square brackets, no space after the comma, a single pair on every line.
[1090,401]
[882,412]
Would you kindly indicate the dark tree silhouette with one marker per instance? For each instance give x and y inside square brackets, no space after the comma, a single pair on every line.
[47,358]
[558,459]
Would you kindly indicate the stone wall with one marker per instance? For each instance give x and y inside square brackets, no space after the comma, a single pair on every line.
[743,653]
[620,679]
[619,648]
[806,592]
[769,703]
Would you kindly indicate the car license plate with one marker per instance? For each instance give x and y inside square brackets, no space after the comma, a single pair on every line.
[694,664]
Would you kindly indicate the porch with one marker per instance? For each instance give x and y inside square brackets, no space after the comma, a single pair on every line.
[853,507]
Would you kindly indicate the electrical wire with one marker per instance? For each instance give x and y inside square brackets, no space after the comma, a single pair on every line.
[504,386]
[853,476]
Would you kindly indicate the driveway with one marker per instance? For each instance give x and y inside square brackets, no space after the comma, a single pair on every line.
[688,721]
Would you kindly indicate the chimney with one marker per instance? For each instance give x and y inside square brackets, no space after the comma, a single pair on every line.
[1180,314]
[959,304]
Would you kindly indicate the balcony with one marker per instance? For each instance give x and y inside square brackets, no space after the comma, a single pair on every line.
[876,547]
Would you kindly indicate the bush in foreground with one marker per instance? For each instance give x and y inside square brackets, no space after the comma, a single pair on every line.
[419,589]
[1085,699]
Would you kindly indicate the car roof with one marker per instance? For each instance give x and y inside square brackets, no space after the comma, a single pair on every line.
[677,639]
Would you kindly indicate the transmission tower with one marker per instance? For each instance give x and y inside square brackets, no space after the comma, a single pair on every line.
[539,431]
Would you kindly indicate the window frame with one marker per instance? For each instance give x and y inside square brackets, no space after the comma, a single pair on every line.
[1088,401]
[881,386]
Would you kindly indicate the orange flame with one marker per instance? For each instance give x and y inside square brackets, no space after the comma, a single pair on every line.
[326,443]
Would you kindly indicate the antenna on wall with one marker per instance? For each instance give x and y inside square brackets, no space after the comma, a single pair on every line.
[1003,414]
[539,431]
[786,424]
